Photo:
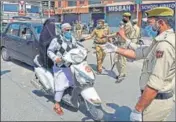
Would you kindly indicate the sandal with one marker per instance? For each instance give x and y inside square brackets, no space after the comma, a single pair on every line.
[58,109]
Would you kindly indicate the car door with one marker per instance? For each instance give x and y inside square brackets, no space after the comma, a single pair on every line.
[27,40]
[11,39]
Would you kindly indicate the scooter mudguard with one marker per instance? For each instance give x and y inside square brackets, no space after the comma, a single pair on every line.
[91,95]
[45,77]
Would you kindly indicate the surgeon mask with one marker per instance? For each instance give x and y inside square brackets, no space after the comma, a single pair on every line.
[153,23]
[150,32]
[100,25]
[68,35]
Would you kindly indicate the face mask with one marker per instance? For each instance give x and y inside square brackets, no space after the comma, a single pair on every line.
[125,21]
[151,32]
[68,35]
[99,26]
[155,26]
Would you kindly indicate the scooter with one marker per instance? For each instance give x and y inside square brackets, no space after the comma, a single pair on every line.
[83,92]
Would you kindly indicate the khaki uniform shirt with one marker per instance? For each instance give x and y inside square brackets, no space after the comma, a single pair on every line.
[137,31]
[158,70]
[99,33]
[78,26]
[129,30]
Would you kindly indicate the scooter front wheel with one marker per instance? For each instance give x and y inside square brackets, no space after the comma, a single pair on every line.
[95,111]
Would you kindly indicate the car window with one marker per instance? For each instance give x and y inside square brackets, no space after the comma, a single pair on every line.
[26,33]
[13,30]
[37,29]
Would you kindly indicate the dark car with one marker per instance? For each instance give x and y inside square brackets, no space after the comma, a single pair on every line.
[20,40]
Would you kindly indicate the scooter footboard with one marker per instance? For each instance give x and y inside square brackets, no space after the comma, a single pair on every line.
[91,96]
[45,77]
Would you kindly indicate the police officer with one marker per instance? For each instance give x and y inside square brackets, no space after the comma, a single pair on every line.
[158,72]
[99,32]
[129,30]
[78,29]
[121,60]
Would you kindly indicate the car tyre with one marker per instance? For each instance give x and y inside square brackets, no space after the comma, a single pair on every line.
[5,55]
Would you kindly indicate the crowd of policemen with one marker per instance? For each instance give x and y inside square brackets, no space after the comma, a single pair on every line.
[157,80]
[100,37]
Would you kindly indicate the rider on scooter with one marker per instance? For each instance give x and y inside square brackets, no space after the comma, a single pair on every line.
[62,73]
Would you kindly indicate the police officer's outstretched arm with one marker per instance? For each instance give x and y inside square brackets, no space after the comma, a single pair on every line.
[88,37]
[134,51]
[52,49]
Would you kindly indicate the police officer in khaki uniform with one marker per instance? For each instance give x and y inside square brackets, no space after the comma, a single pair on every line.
[128,27]
[158,72]
[121,60]
[78,29]
[99,32]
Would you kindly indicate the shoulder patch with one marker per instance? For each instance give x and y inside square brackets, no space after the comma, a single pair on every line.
[159,54]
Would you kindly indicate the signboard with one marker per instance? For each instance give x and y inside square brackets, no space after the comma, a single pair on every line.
[28,6]
[119,8]
[73,10]
[145,7]
[138,1]
[97,10]
[68,11]
[21,2]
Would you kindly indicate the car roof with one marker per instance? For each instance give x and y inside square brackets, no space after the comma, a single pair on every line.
[28,22]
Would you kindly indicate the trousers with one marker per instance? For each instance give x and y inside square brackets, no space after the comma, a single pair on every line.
[62,80]
[100,54]
[158,110]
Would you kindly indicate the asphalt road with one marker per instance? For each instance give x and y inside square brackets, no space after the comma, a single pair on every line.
[20,101]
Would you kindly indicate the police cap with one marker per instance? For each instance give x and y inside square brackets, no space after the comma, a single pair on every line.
[160,12]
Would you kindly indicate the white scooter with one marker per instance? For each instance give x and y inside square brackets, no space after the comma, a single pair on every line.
[83,90]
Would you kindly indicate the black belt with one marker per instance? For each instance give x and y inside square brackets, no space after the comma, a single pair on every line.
[162,96]
[100,43]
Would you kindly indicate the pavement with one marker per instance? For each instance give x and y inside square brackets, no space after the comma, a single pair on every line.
[20,101]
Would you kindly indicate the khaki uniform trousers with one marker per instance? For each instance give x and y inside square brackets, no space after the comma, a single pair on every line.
[100,54]
[120,62]
[158,110]
[78,33]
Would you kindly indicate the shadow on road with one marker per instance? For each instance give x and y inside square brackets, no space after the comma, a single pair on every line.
[105,71]
[5,72]
[111,73]
[50,98]
[122,113]
[21,64]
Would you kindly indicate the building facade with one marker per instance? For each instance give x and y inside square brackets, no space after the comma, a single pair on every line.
[81,10]
[21,8]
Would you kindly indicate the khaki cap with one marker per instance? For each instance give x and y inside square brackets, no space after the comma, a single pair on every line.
[160,12]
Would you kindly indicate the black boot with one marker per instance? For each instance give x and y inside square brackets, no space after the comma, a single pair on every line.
[120,78]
